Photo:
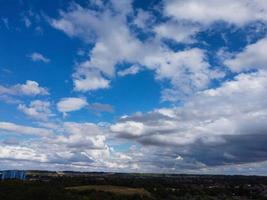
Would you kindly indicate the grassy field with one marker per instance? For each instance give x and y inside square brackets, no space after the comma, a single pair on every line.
[112,189]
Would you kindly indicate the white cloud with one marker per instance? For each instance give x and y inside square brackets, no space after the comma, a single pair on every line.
[188,70]
[71,104]
[81,146]
[8,99]
[115,43]
[30,88]
[218,117]
[130,128]
[107,53]
[233,111]
[19,129]
[85,135]
[210,11]
[85,80]
[143,19]
[111,44]
[172,139]
[38,57]
[254,56]
[180,32]
[37,109]
[21,153]
[134,69]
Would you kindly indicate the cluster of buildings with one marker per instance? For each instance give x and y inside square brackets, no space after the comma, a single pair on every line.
[13,174]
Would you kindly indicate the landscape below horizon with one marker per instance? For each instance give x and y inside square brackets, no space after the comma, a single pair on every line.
[43,185]
[140,87]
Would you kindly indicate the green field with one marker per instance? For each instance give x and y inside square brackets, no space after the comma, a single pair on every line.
[112,189]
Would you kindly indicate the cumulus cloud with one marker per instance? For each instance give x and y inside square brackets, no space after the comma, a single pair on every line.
[108,49]
[30,88]
[129,128]
[144,19]
[20,153]
[209,11]
[217,127]
[86,135]
[114,43]
[38,57]
[180,32]
[37,109]
[93,80]
[70,104]
[254,56]
[80,146]
[227,117]
[187,70]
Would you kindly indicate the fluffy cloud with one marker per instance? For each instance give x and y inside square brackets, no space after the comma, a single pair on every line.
[30,88]
[80,146]
[71,104]
[90,26]
[38,57]
[180,32]
[86,135]
[209,11]
[227,117]
[114,43]
[254,56]
[217,127]
[129,128]
[21,153]
[93,80]
[143,19]
[187,70]
[37,109]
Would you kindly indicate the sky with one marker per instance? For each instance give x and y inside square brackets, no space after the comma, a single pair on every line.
[159,86]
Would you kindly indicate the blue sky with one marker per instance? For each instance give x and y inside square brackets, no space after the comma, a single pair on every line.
[134,86]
